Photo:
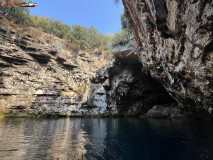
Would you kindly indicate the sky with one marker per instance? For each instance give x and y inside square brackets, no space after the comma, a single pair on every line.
[104,15]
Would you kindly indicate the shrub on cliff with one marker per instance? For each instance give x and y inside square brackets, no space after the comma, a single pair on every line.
[126,33]
[79,36]
[14,12]
[122,36]
[89,38]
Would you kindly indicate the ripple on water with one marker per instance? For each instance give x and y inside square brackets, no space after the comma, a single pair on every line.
[101,138]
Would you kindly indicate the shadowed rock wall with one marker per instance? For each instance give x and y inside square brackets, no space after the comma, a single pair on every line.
[176,43]
[125,87]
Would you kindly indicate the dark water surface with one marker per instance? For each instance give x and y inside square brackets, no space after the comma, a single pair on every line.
[102,138]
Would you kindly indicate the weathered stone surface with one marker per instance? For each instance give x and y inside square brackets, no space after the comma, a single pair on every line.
[39,74]
[124,88]
[169,111]
[177,47]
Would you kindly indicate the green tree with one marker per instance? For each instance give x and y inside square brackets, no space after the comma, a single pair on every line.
[94,38]
[14,12]
[80,35]
[126,33]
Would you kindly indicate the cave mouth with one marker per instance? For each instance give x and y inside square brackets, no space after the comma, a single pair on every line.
[137,96]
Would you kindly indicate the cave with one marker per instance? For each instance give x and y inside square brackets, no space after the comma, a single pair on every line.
[134,90]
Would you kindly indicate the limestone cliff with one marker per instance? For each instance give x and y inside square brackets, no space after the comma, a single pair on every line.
[40,74]
[166,72]
[125,88]
[176,44]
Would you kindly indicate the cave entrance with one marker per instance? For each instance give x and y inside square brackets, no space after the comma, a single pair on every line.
[134,90]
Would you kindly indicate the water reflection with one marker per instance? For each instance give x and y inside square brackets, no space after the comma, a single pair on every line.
[102,138]
[42,139]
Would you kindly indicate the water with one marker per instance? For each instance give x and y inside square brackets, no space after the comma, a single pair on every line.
[102,138]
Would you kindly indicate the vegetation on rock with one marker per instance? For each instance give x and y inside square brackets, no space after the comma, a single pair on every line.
[126,33]
[79,36]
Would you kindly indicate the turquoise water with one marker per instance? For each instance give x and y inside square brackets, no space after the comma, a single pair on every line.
[102,138]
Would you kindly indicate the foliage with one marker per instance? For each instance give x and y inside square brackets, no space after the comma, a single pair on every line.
[124,20]
[14,12]
[126,33]
[89,38]
[79,36]
[122,36]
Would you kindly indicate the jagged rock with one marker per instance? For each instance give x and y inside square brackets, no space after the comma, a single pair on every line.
[160,111]
[123,88]
[177,47]
[39,74]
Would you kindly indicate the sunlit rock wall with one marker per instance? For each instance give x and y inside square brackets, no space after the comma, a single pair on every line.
[40,74]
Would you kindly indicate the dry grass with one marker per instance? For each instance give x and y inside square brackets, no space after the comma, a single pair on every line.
[20,31]
[30,32]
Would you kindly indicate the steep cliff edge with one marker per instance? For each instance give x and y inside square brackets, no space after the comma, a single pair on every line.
[39,74]
[176,44]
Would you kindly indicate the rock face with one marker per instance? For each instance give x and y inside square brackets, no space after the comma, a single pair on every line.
[160,111]
[124,87]
[177,47]
[39,74]
[166,73]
